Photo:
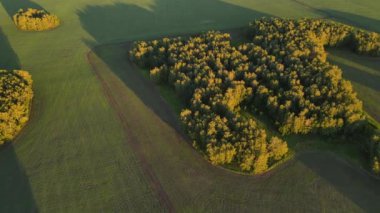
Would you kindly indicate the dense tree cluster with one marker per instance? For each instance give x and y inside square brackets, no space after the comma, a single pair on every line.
[35,20]
[282,72]
[15,99]
[209,74]
[296,86]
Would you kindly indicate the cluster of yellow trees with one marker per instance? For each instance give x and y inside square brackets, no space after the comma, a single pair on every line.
[15,99]
[297,87]
[209,74]
[282,72]
[35,20]
[303,92]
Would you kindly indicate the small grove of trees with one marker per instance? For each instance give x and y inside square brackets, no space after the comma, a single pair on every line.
[35,20]
[209,75]
[15,98]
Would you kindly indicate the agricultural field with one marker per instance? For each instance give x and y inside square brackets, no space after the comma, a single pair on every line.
[103,137]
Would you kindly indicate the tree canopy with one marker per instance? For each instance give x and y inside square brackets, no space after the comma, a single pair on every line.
[282,72]
[35,20]
[15,98]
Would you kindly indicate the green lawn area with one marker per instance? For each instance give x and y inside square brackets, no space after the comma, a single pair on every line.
[74,154]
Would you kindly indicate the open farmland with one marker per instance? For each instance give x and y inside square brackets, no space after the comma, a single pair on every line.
[101,138]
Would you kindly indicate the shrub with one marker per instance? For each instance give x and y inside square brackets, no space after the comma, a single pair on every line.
[35,20]
[366,43]
[15,99]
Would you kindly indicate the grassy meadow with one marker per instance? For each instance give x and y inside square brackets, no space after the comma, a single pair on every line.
[113,144]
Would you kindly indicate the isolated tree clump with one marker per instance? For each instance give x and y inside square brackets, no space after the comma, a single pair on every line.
[35,20]
[15,99]
[210,76]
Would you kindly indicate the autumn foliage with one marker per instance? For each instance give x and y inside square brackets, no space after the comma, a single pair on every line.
[35,20]
[283,72]
[15,98]
[297,87]
[210,75]
[367,43]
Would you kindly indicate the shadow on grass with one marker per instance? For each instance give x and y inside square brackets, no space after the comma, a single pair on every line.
[8,58]
[354,68]
[15,191]
[353,19]
[344,17]
[165,16]
[364,71]
[12,6]
[351,182]
[119,20]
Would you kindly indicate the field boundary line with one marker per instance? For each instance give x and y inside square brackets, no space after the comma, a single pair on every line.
[147,170]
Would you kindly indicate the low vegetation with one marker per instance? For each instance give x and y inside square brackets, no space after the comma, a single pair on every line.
[35,20]
[15,98]
[283,73]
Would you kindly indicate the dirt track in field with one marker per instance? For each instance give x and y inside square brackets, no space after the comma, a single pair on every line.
[155,184]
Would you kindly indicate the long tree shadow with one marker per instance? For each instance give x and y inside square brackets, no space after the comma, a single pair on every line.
[363,70]
[357,185]
[355,70]
[353,19]
[15,190]
[12,6]
[117,21]
[344,17]
[8,58]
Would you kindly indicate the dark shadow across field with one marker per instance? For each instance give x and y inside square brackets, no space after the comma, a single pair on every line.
[8,58]
[99,21]
[12,6]
[364,72]
[166,16]
[15,190]
[354,74]
[344,177]
[119,20]
[353,20]
[344,17]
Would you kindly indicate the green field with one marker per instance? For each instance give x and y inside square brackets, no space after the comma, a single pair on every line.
[104,139]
